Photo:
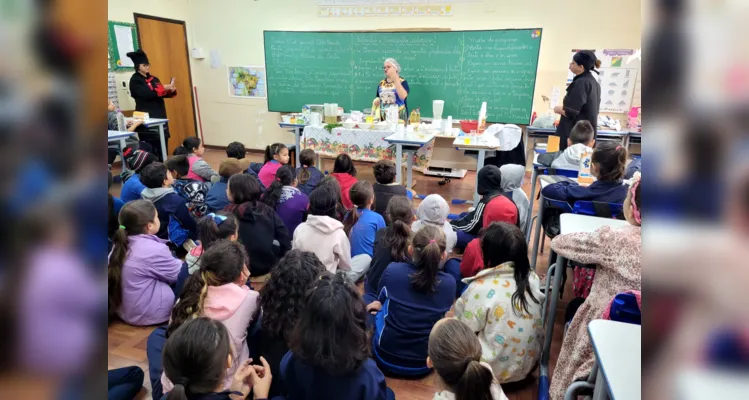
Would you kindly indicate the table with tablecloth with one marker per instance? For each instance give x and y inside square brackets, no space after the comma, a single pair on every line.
[360,144]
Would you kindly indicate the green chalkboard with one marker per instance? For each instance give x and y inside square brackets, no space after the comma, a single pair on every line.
[463,68]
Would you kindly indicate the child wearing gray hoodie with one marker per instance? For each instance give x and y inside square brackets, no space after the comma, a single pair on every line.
[433,211]
[512,182]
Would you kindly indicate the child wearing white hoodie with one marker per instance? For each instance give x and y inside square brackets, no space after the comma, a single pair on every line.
[433,210]
[581,140]
[322,233]
[512,182]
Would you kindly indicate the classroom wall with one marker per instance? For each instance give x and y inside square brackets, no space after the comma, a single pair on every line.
[235,29]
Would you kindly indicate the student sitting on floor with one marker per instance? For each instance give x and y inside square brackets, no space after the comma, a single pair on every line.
[413,296]
[494,202]
[171,206]
[512,183]
[344,172]
[283,299]
[211,229]
[386,187]
[261,230]
[581,140]
[616,254]
[141,268]
[329,356]
[216,198]
[288,201]
[218,290]
[237,151]
[391,243]
[131,184]
[276,156]
[193,191]
[361,225]
[307,175]
[502,304]
[196,358]
[323,233]
[433,211]
[455,354]
[199,168]
[331,182]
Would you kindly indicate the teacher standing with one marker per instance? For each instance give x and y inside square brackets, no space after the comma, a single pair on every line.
[392,91]
[149,95]
[583,97]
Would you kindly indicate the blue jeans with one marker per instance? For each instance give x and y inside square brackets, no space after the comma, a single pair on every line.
[154,346]
[124,383]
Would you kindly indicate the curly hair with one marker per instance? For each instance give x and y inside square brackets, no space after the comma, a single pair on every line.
[283,296]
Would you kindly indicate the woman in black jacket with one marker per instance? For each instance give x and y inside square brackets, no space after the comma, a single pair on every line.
[149,95]
[583,96]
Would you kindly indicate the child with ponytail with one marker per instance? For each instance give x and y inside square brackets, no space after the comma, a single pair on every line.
[218,291]
[413,296]
[455,354]
[141,268]
[391,243]
[307,175]
[276,156]
[502,304]
[196,357]
[288,201]
[200,170]
[361,225]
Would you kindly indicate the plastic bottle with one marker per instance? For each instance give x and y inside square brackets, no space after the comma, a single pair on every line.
[121,124]
[482,118]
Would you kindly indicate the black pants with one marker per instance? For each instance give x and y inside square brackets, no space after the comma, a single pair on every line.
[151,136]
[124,383]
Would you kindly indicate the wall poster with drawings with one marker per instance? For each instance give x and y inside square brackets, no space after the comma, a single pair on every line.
[619,79]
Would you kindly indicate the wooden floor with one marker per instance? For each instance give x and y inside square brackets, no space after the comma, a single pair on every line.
[127,344]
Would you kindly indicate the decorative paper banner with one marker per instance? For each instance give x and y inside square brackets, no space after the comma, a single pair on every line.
[432,10]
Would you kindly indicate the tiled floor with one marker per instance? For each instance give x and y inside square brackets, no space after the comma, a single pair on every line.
[127,344]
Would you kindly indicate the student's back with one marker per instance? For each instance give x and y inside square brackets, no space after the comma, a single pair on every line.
[345,173]
[168,203]
[385,187]
[307,383]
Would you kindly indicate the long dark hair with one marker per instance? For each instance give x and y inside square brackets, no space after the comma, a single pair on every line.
[331,182]
[428,245]
[188,146]
[361,193]
[307,160]
[284,177]
[216,226]
[399,216]
[331,333]
[221,264]
[283,296]
[195,357]
[455,352]
[324,201]
[135,217]
[501,243]
[245,194]
[272,150]
[344,164]
[611,160]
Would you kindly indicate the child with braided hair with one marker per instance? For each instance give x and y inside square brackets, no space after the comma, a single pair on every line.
[218,291]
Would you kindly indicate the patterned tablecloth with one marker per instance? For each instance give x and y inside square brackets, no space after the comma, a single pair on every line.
[360,144]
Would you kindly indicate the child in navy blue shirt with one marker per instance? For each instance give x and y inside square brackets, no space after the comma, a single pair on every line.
[361,225]
[195,359]
[608,162]
[329,356]
[170,206]
[413,296]
[193,191]
[307,175]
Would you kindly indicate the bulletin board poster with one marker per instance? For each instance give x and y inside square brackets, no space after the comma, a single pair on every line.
[618,77]
[247,82]
[122,39]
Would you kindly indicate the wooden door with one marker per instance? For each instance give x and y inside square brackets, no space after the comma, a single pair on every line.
[165,43]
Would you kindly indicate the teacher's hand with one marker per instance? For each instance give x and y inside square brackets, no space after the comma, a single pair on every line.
[169,88]
[376,102]
[558,109]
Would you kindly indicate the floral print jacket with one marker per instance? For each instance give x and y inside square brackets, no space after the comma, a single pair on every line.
[511,339]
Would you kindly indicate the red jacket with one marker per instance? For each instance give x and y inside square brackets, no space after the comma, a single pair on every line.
[346,181]
[473,259]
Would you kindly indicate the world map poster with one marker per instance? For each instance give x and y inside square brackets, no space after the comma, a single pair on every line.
[247,82]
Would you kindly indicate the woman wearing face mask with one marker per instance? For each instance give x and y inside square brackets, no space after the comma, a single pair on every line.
[583,96]
[149,94]
[392,91]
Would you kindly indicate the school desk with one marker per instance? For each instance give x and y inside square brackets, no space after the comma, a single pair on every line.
[568,223]
[617,347]
[120,138]
[158,122]
[602,134]
[409,143]
[540,169]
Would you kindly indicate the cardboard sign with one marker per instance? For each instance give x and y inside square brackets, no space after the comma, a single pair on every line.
[552,144]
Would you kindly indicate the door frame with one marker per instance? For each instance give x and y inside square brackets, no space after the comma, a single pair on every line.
[187,53]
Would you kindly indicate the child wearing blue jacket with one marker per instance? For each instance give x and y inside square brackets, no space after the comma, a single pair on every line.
[131,184]
[170,206]
[361,225]
[307,176]
[413,296]
[608,161]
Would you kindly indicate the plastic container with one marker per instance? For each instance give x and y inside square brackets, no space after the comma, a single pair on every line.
[468,126]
